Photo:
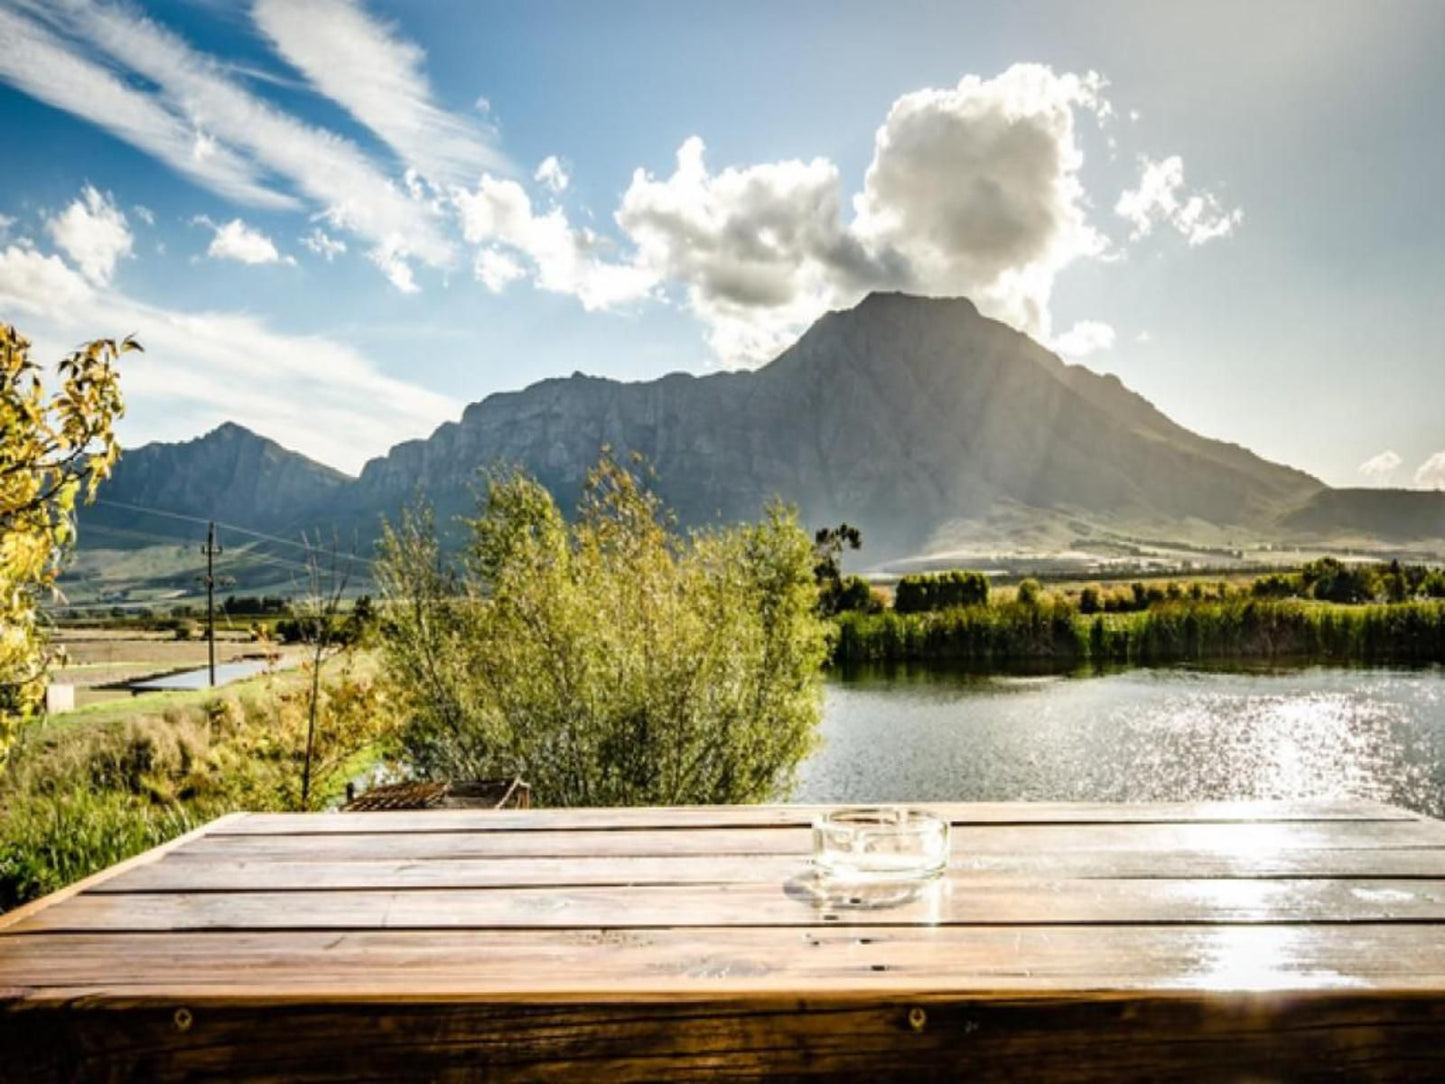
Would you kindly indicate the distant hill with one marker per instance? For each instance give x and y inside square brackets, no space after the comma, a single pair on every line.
[913,418]
[1393,515]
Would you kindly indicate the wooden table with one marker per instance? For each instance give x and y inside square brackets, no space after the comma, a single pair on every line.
[1109,942]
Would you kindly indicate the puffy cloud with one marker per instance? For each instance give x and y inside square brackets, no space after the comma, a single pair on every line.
[761,251]
[1162,197]
[38,284]
[93,232]
[235,240]
[323,244]
[1431,473]
[565,260]
[377,76]
[973,189]
[1084,338]
[495,269]
[1380,469]
[977,187]
[552,174]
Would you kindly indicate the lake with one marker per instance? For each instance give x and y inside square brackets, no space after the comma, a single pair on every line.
[1171,734]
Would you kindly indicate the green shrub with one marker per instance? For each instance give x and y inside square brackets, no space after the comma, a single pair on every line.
[926,592]
[609,660]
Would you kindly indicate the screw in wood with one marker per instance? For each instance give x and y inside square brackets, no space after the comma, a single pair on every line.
[917,1018]
[183,1019]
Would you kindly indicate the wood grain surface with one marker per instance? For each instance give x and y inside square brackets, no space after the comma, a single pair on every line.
[1219,941]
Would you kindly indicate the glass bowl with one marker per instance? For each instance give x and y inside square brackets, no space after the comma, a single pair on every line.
[873,843]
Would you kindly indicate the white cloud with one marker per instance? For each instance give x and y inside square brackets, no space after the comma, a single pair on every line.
[38,63]
[319,396]
[93,232]
[1143,337]
[144,213]
[565,260]
[235,240]
[38,284]
[977,187]
[1084,338]
[1161,197]
[973,189]
[1380,469]
[323,244]
[377,76]
[552,174]
[224,122]
[1431,473]
[495,269]
[391,259]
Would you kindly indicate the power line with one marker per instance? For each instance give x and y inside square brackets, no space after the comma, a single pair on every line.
[198,519]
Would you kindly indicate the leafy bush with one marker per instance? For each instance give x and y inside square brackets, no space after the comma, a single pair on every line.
[609,660]
[926,592]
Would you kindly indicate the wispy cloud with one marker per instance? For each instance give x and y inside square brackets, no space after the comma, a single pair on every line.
[40,64]
[225,122]
[377,75]
[320,396]
[1380,469]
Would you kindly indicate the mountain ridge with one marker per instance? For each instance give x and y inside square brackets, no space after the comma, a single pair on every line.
[903,415]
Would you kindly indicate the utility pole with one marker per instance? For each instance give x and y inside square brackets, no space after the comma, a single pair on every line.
[212,551]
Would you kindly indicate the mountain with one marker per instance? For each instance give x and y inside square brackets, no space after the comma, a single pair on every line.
[926,424]
[900,415]
[230,474]
[1394,515]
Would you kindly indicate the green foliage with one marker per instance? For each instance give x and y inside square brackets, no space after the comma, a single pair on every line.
[828,546]
[927,592]
[76,800]
[1332,581]
[1029,592]
[1091,599]
[609,660]
[853,595]
[1182,631]
[1278,585]
[55,450]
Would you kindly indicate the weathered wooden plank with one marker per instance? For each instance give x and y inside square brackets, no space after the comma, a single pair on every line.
[926,1037]
[155,854]
[611,964]
[746,816]
[958,899]
[206,874]
[967,839]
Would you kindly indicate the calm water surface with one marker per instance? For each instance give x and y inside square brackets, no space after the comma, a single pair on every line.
[1139,735]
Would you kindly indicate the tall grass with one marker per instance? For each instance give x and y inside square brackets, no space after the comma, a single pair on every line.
[1179,631]
[77,798]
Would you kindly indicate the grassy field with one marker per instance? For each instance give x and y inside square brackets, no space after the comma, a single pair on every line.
[90,787]
[99,662]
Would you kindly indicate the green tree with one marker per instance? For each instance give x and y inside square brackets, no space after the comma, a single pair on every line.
[611,660]
[1029,592]
[828,546]
[55,448]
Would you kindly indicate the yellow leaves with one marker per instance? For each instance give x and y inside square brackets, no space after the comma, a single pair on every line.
[52,454]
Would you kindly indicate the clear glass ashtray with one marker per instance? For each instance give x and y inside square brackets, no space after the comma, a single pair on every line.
[880,843]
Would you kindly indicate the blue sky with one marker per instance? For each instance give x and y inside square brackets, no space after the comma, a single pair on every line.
[339,221]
